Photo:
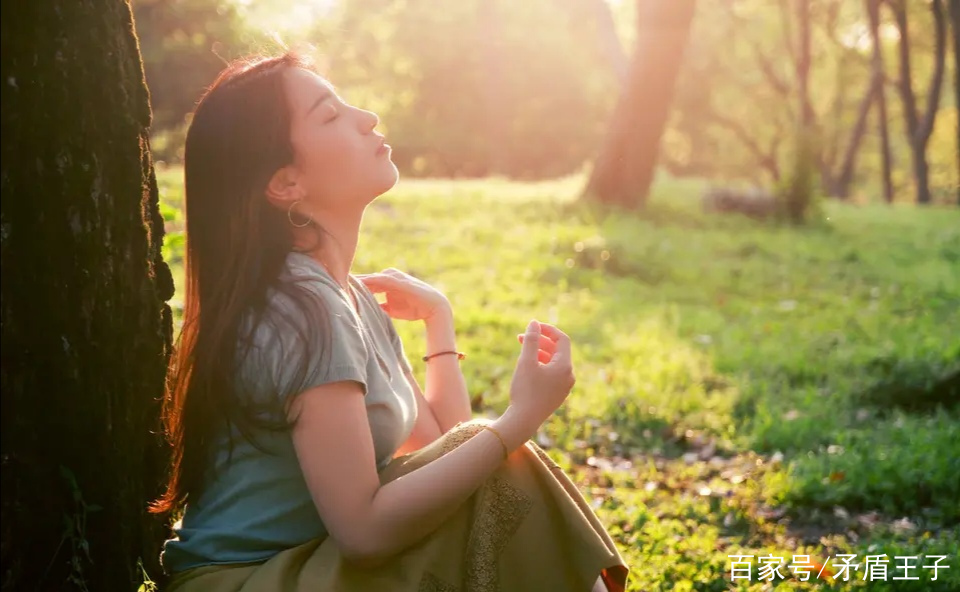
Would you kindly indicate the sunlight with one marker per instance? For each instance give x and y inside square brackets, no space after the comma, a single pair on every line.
[286,18]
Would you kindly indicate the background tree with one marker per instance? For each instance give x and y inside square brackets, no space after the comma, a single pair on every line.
[526,90]
[625,166]
[85,330]
[873,15]
[919,124]
[955,29]
[737,100]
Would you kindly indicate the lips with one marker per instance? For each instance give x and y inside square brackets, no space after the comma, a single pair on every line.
[383,147]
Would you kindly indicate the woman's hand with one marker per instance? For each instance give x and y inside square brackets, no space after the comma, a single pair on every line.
[546,346]
[408,298]
[543,377]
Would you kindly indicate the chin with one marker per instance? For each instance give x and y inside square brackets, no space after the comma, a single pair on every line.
[389,178]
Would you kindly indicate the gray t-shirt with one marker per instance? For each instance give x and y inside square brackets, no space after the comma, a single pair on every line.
[259,504]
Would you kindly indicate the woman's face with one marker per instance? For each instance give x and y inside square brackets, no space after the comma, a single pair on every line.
[337,158]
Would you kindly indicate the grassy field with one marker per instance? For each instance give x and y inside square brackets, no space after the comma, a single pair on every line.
[742,388]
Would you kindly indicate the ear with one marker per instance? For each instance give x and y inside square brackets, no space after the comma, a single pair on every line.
[283,188]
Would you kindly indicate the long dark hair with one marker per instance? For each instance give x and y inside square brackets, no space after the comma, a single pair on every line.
[236,246]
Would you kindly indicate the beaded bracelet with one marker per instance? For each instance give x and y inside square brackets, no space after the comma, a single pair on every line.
[460,355]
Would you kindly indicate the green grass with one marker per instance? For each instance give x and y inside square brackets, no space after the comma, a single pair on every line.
[741,387]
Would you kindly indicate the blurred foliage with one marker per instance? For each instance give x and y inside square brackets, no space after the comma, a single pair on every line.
[736,109]
[471,88]
[476,87]
[525,90]
[799,189]
[184,44]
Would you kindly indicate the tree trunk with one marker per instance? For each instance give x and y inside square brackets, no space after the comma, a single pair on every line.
[624,170]
[845,177]
[919,127]
[955,28]
[803,65]
[85,328]
[873,14]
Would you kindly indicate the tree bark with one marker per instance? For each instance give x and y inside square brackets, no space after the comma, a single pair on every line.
[624,170]
[85,328]
[873,14]
[920,126]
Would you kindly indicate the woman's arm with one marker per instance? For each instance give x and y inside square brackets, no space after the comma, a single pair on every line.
[446,390]
[370,522]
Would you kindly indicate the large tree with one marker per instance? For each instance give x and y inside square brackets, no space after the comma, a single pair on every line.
[85,328]
[625,167]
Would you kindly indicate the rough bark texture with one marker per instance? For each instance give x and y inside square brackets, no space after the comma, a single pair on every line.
[85,328]
[624,170]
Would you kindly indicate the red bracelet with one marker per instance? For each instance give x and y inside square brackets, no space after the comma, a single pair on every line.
[460,355]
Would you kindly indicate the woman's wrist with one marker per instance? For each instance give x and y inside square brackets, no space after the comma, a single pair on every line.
[442,313]
[440,332]
[515,428]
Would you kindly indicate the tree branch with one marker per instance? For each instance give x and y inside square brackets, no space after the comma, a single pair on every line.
[787,30]
[781,86]
[904,85]
[778,84]
[768,160]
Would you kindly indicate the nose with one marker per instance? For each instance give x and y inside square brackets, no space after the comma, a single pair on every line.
[370,120]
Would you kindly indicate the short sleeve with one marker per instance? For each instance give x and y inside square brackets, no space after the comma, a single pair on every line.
[308,336]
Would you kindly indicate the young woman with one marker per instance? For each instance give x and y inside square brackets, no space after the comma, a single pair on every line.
[305,456]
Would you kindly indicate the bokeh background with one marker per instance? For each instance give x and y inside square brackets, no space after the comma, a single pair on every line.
[525,90]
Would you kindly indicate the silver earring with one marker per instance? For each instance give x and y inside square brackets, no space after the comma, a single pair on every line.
[290,216]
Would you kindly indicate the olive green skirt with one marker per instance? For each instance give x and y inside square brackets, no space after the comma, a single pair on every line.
[528,528]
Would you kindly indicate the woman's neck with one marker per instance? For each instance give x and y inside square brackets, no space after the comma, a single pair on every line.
[338,244]
[337,257]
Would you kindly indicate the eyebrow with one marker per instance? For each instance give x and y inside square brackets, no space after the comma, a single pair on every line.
[323,97]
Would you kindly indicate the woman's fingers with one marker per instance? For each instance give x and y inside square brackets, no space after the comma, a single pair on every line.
[563,353]
[544,354]
[378,282]
[545,343]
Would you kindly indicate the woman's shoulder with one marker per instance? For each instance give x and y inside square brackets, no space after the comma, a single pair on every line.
[304,314]
[302,268]
[303,289]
